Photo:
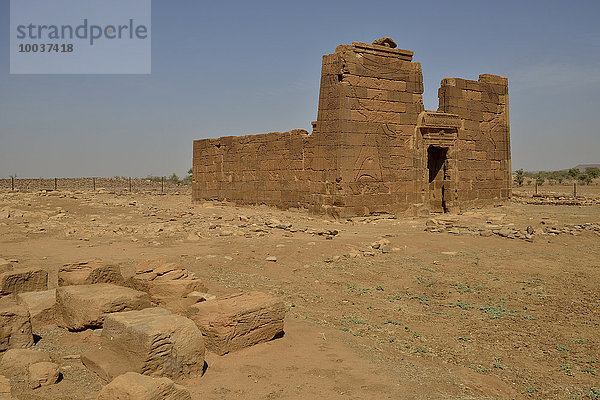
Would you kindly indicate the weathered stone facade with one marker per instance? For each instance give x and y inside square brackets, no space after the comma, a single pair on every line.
[373,147]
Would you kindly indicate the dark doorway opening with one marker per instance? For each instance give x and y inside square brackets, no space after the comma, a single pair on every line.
[437,166]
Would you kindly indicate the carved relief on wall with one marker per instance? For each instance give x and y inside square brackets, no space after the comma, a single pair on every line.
[367,170]
[383,66]
[490,131]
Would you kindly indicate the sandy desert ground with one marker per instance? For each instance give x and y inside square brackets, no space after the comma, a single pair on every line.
[469,306]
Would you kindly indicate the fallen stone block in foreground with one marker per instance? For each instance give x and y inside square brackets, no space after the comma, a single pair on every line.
[4,388]
[17,361]
[5,266]
[134,386]
[43,374]
[164,281]
[85,306]
[88,273]
[15,325]
[151,342]
[23,280]
[235,322]
[41,307]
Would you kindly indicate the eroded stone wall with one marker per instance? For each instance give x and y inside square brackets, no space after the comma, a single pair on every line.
[369,148]
[483,145]
[370,99]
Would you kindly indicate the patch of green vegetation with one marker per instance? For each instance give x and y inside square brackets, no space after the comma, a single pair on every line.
[379,288]
[566,368]
[395,298]
[464,338]
[421,349]
[354,288]
[579,341]
[479,287]
[353,320]
[589,370]
[427,269]
[527,316]
[346,329]
[392,322]
[479,368]
[498,365]
[422,299]
[560,347]
[462,288]
[594,393]
[463,305]
[440,313]
[531,389]
[493,311]
[416,335]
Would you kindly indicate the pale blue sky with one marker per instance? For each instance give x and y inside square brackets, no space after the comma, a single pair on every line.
[232,68]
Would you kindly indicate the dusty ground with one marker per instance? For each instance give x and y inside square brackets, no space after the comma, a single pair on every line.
[437,315]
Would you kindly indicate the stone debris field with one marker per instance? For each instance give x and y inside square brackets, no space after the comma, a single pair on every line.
[117,295]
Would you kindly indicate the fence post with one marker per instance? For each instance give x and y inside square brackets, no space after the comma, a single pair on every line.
[536,186]
[162,184]
[130,184]
[94,183]
[55,183]
[12,183]
[575,189]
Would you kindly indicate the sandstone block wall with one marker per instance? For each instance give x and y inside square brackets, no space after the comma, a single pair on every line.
[373,147]
[483,145]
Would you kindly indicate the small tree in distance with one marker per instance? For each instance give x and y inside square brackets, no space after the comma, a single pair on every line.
[519,177]
[188,179]
[173,178]
[592,172]
[539,178]
[573,173]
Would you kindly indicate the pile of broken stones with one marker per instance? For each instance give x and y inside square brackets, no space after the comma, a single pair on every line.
[156,325]
[549,227]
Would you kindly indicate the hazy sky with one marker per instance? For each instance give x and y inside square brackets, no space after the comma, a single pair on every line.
[233,68]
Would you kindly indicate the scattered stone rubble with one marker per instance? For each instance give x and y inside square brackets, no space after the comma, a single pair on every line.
[155,325]
[549,227]
[555,200]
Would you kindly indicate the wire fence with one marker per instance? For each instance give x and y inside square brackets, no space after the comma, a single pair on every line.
[574,189]
[117,184]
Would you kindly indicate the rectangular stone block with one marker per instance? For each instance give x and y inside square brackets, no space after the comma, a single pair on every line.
[41,307]
[85,306]
[239,321]
[15,325]
[88,273]
[23,280]
[152,342]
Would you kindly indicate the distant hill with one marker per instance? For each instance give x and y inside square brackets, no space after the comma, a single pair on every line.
[582,167]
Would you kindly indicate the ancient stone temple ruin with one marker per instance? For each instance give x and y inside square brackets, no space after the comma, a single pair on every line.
[373,148]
